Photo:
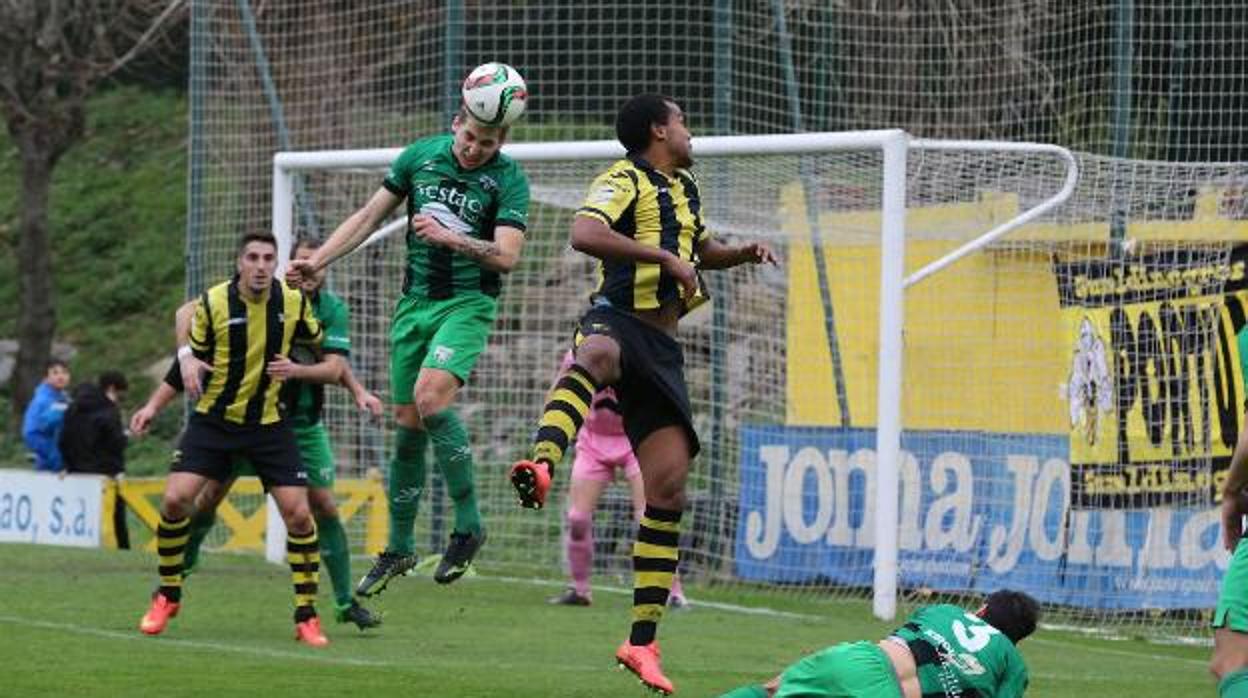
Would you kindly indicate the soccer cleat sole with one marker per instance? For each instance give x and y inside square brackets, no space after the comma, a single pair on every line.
[380,586]
[375,591]
[525,482]
[451,574]
[652,688]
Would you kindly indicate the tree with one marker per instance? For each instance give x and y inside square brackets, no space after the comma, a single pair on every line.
[53,54]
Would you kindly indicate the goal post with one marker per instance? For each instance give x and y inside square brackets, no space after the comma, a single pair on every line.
[758,174]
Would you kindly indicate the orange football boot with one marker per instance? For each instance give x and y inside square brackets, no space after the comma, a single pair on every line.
[643,661]
[158,614]
[532,482]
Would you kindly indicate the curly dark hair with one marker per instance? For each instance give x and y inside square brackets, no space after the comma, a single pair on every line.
[1014,613]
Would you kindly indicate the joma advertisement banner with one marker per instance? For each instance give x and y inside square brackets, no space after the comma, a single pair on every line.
[1155,391]
[979,511]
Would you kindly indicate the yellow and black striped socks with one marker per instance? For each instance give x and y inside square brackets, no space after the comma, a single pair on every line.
[655,555]
[564,414]
[305,562]
[171,537]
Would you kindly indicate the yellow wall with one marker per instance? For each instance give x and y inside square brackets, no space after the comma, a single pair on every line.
[994,315]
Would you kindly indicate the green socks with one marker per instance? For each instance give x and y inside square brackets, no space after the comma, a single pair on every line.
[404,487]
[201,523]
[454,457]
[408,471]
[1234,684]
[336,557]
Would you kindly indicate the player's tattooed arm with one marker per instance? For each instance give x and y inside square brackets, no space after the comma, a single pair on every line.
[499,254]
[480,250]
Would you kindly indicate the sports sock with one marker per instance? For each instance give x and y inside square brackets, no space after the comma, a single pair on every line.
[580,549]
[406,483]
[454,458]
[201,523]
[655,556]
[677,589]
[564,414]
[1234,684]
[305,562]
[336,556]
[171,535]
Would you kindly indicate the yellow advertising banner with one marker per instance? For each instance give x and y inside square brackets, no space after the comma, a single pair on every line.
[1155,389]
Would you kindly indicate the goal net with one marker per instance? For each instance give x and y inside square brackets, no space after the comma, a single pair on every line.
[1027,374]
[1066,393]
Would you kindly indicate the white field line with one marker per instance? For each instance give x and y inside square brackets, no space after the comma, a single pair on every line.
[763,611]
[726,607]
[190,644]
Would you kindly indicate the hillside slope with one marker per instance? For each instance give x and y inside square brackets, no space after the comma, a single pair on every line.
[118,226]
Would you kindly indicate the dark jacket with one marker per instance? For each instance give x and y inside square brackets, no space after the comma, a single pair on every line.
[92,438]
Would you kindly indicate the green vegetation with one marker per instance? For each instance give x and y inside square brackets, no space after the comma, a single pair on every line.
[118,227]
[484,636]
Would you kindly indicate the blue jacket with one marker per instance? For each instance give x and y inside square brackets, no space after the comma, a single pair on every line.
[41,427]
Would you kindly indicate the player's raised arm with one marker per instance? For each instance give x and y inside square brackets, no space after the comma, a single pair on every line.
[347,236]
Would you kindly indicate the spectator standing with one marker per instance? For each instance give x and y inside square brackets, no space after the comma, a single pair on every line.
[93,440]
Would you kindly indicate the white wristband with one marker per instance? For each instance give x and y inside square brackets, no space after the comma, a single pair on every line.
[184,351]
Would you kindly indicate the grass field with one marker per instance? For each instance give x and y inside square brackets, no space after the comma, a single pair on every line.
[68,622]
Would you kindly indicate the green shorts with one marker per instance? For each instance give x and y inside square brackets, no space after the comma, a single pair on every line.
[318,457]
[1232,611]
[847,670]
[314,451]
[448,334]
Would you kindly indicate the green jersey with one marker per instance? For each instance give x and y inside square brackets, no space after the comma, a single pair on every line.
[469,202]
[961,656]
[304,401]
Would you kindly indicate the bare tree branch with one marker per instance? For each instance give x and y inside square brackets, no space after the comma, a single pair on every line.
[158,25]
[52,55]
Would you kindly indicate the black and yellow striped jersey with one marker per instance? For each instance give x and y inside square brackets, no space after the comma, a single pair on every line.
[637,200]
[239,337]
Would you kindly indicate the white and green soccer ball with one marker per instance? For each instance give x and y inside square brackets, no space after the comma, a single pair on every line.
[495,94]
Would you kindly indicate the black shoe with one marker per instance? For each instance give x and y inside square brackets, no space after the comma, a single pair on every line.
[388,566]
[569,597]
[458,556]
[355,613]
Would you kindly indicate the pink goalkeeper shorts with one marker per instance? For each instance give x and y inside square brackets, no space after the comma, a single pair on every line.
[599,456]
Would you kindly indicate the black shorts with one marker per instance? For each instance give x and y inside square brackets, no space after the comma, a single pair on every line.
[651,389]
[210,447]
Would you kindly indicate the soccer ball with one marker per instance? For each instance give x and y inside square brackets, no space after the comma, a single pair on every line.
[495,94]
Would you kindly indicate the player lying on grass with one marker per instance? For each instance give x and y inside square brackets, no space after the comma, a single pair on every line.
[941,651]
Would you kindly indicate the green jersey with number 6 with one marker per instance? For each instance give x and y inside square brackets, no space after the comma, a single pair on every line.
[959,655]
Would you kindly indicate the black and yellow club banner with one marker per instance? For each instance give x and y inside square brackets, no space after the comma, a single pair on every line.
[1155,390]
